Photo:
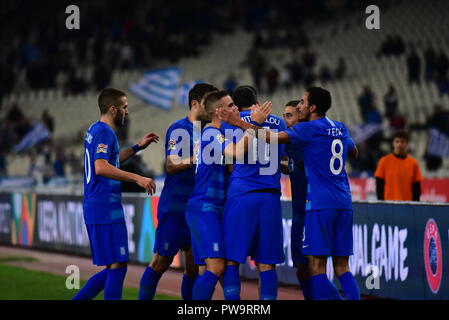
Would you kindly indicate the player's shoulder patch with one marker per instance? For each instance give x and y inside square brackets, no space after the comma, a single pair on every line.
[102,148]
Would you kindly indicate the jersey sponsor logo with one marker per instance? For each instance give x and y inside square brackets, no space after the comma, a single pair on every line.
[172,145]
[433,256]
[102,148]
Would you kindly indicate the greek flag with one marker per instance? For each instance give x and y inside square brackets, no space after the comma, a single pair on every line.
[182,96]
[158,87]
[34,136]
[364,131]
[438,144]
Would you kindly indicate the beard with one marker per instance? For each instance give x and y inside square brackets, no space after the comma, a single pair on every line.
[119,120]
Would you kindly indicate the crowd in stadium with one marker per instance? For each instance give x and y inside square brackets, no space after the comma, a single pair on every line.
[130,37]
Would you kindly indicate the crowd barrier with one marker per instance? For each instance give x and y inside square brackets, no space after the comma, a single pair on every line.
[400,249]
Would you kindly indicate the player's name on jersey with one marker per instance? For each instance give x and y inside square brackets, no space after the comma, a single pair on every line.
[270,119]
[334,132]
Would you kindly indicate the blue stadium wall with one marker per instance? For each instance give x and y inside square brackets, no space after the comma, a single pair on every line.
[401,250]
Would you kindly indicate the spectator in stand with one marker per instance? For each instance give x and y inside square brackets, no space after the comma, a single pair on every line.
[414,67]
[373,115]
[48,120]
[285,78]
[442,69]
[398,176]
[340,71]
[3,171]
[256,64]
[230,84]
[438,120]
[59,161]
[102,76]
[430,58]
[391,102]
[325,74]
[20,124]
[397,121]
[365,101]
[272,79]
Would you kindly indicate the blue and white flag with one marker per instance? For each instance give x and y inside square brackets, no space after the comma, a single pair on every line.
[438,144]
[38,134]
[363,132]
[182,96]
[158,87]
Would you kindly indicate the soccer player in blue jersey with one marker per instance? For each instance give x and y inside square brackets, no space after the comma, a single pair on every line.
[328,223]
[205,207]
[103,211]
[252,217]
[172,233]
[294,167]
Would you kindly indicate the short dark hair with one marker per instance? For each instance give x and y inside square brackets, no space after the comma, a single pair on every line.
[244,96]
[401,134]
[321,98]
[109,97]
[292,103]
[211,97]
[198,91]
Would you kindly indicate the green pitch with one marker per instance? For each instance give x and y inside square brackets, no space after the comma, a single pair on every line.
[22,284]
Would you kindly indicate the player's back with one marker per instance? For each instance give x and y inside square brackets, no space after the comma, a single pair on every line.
[257,173]
[324,143]
[209,193]
[178,187]
[101,195]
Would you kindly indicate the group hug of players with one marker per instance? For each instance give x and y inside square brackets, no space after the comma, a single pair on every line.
[220,212]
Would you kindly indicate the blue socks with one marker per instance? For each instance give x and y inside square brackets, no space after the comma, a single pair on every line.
[187,287]
[268,285]
[321,287]
[205,286]
[114,283]
[148,284]
[306,286]
[350,287]
[231,283]
[93,286]
[335,294]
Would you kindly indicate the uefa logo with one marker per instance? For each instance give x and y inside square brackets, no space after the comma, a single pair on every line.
[433,256]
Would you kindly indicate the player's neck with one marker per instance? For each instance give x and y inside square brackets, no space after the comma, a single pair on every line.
[109,121]
[216,123]
[315,116]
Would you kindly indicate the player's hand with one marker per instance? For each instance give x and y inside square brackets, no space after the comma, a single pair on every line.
[148,139]
[229,115]
[260,113]
[148,184]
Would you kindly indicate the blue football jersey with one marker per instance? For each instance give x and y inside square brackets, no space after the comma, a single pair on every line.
[209,193]
[102,196]
[247,177]
[178,187]
[324,143]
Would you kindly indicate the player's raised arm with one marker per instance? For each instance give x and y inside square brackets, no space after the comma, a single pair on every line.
[105,169]
[258,115]
[143,143]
